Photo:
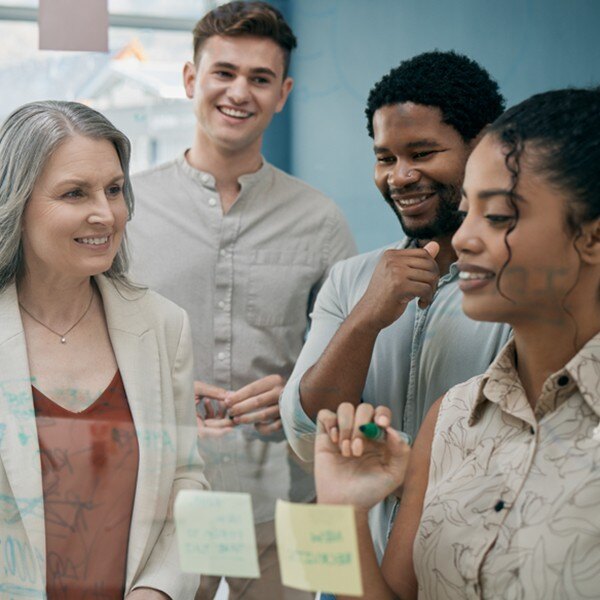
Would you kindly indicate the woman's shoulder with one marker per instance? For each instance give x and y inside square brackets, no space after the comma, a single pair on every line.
[156,310]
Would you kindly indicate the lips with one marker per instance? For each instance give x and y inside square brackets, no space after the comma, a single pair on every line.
[412,204]
[234,113]
[95,241]
[473,277]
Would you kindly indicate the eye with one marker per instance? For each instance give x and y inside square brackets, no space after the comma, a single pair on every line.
[73,194]
[114,190]
[223,74]
[261,80]
[499,220]
[385,160]
[424,154]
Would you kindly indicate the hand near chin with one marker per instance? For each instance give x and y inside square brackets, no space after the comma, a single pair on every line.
[400,276]
[349,469]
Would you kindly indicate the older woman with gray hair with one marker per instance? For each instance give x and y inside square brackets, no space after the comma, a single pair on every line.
[97,425]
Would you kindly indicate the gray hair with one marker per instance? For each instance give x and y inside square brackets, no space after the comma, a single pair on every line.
[28,138]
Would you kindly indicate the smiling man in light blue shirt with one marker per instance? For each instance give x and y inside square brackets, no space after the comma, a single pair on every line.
[387,326]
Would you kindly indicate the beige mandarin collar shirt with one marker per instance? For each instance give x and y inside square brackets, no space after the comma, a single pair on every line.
[247,279]
[512,508]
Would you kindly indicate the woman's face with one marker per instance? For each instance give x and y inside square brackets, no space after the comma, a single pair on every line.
[543,265]
[74,221]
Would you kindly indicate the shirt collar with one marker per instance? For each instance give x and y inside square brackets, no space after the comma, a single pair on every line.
[501,385]
[207,179]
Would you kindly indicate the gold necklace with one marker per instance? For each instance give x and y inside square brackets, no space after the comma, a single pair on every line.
[62,336]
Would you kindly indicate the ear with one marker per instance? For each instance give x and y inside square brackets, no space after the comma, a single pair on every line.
[189,78]
[286,88]
[588,243]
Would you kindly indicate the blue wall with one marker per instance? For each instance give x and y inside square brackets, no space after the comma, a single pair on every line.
[347,45]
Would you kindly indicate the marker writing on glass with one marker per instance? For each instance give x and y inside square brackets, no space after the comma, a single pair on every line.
[372,431]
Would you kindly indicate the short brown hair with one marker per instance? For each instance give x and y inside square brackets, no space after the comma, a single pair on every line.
[238,18]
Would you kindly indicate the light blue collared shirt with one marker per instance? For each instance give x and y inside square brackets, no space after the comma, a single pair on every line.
[415,360]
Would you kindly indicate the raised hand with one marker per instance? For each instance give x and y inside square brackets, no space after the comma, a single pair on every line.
[349,469]
[400,276]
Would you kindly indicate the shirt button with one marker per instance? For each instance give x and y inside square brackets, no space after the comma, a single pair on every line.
[531,430]
[221,304]
[563,380]
[221,356]
[499,505]
[226,459]
[223,252]
[212,202]
[204,178]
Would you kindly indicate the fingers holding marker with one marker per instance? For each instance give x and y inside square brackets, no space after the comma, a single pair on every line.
[364,414]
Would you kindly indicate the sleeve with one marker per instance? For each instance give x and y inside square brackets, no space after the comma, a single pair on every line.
[327,316]
[162,571]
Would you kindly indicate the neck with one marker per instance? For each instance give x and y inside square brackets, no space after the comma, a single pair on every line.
[446,256]
[546,347]
[54,301]
[225,165]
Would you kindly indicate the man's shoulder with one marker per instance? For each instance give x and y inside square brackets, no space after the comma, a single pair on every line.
[365,262]
[156,173]
[298,190]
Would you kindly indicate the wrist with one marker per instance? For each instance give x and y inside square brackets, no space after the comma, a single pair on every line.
[362,322]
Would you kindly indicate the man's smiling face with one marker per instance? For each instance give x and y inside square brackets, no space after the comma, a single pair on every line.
[236,87]
[420,163]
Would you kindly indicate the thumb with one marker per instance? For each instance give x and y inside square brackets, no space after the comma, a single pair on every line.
[432,248]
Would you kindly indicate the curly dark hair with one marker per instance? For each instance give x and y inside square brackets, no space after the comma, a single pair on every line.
[465,93]
[239,18]
[560,131]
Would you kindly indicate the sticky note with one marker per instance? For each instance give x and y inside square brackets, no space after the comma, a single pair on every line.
[317,547]
[215,533]
[73,25]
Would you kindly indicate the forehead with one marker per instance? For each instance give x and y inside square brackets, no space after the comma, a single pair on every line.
[407,122]
[81,154]
[245,52]
[486,166]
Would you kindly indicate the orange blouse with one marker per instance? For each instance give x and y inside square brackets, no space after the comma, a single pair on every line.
[89,472]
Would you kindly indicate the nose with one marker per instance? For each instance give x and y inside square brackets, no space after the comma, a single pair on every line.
[238,90]
[467,238]
[403,174]
[102,210]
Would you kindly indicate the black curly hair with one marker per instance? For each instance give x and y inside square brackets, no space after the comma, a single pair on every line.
[560,131]
[465,93]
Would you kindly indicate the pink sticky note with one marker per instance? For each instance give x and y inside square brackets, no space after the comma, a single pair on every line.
[74,25]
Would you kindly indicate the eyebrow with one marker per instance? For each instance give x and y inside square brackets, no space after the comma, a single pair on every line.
[84,183]
[425,143]
[488,194]
[255,70]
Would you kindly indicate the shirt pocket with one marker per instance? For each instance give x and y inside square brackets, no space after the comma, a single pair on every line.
[279,287]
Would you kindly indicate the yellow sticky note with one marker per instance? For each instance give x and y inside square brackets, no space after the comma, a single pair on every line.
[215,533]
[317,547]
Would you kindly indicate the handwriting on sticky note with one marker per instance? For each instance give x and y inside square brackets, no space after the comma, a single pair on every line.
[317,547]
[215,533]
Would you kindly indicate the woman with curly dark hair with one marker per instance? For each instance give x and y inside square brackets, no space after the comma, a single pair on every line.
[502,487]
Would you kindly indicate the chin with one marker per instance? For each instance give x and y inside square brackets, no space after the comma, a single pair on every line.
[481,309]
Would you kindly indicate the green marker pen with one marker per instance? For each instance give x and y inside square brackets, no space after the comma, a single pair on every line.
[372,431]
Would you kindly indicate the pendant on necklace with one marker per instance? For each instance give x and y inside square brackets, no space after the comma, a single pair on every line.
[63,340]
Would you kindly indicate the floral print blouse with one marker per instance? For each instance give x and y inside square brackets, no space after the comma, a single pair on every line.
[512,508]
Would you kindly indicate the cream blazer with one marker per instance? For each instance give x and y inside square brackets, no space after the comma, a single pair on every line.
[151,340]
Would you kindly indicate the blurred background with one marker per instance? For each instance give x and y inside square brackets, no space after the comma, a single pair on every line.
[345,46]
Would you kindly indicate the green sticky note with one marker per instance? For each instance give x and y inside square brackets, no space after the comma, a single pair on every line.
[215,533]
[317,547]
